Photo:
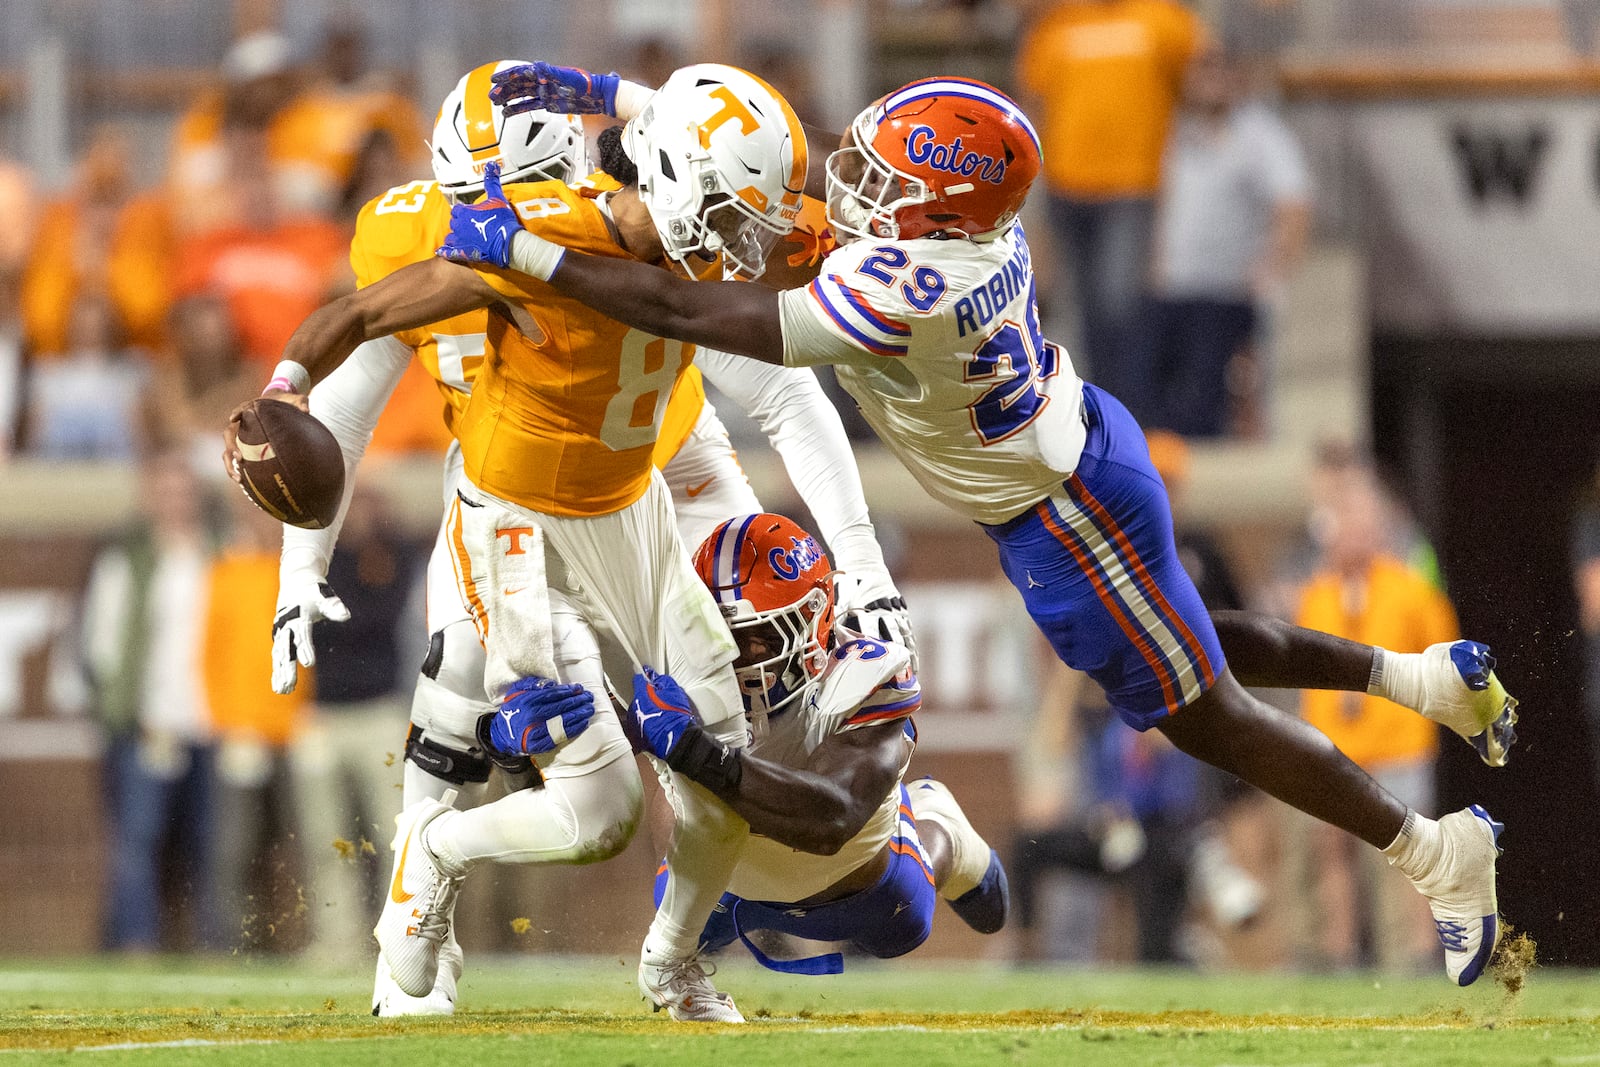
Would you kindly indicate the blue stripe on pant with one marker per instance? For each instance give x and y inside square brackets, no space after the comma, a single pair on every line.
[889,919]
[1098,570]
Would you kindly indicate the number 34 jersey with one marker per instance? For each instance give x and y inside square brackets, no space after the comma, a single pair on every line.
[939,342]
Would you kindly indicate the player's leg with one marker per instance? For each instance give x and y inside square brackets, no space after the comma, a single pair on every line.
[441,748]
[591,800]
[441,745]
[1096,566]
[967,872]
[660,615]
[889,918]
[1452,683]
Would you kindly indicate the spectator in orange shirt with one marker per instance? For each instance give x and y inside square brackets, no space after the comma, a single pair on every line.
[254,727]
[16,236]
[271,268]
[1103,78]
[71,250]
[1363,591]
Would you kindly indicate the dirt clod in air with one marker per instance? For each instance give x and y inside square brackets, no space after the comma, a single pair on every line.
[345,849]
[1512,961]
[520,926]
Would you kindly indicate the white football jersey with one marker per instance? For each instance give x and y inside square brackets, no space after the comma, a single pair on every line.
[939,342]
[866,684]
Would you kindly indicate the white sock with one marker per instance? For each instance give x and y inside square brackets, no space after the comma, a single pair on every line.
[707,840]
[1416,849]
[1398,676]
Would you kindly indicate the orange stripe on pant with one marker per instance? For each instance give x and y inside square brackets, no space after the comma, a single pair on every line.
[1075,490]
[463,566]
[1165,673]
[907,850]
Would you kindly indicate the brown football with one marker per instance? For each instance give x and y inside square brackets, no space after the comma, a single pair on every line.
[290,466]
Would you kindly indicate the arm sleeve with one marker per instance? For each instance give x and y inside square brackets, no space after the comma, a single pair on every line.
[828,323]
[805,431]
[348,402]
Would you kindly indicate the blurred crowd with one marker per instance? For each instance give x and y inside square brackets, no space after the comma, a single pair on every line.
[135,317]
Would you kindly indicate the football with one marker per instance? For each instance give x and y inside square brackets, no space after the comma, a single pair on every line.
[290,466]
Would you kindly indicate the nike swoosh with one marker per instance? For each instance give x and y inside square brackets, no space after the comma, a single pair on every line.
[696,490]
[512,592]
[396,892]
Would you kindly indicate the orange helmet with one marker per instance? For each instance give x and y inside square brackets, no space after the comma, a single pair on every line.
[939,156]
[774,585]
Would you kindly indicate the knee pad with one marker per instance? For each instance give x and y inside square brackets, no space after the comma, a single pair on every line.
[446,706]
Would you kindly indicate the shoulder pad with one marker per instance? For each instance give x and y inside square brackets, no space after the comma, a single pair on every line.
[856,672]
[397,228]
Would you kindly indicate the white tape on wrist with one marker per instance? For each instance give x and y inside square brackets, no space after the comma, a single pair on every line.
[292,374]
[557,730]
[631,99]
[533,255]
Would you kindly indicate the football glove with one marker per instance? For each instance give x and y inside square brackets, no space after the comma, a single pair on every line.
[661,711]
[566,90]
[482,232]
[303,599]
[538,716]
[873,607]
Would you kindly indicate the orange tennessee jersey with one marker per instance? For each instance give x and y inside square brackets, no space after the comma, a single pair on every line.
[567,408]
[401,227]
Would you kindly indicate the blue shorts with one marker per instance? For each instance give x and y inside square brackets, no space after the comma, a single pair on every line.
[889,919]
[1097,568]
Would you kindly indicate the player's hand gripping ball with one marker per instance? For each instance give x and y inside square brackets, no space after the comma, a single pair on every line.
[288,463]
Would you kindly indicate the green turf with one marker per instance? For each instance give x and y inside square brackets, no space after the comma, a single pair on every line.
[527,1011]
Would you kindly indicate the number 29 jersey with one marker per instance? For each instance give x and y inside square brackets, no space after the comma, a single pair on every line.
[939,343]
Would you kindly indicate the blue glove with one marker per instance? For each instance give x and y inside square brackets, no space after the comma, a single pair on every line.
[482,232]
[661,711]
[540,715]
[564,90]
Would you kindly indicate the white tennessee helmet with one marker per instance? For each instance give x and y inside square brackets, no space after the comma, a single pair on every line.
[471,133]
[722,166]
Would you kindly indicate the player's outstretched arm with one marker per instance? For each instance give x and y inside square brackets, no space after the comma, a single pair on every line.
[410,297]
[731,316]
[815,809]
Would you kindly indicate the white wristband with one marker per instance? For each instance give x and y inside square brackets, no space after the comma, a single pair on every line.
[533,255]
[631,99]
[295,374]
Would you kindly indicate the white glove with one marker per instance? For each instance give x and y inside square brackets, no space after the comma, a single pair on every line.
[302,600]
[871,606]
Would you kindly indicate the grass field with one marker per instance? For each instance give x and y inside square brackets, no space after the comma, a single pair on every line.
[531,1010]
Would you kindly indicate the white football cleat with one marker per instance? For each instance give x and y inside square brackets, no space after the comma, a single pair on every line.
[1461,692]
[683,986]
[1460,892]
[415,923]
[389,1001]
